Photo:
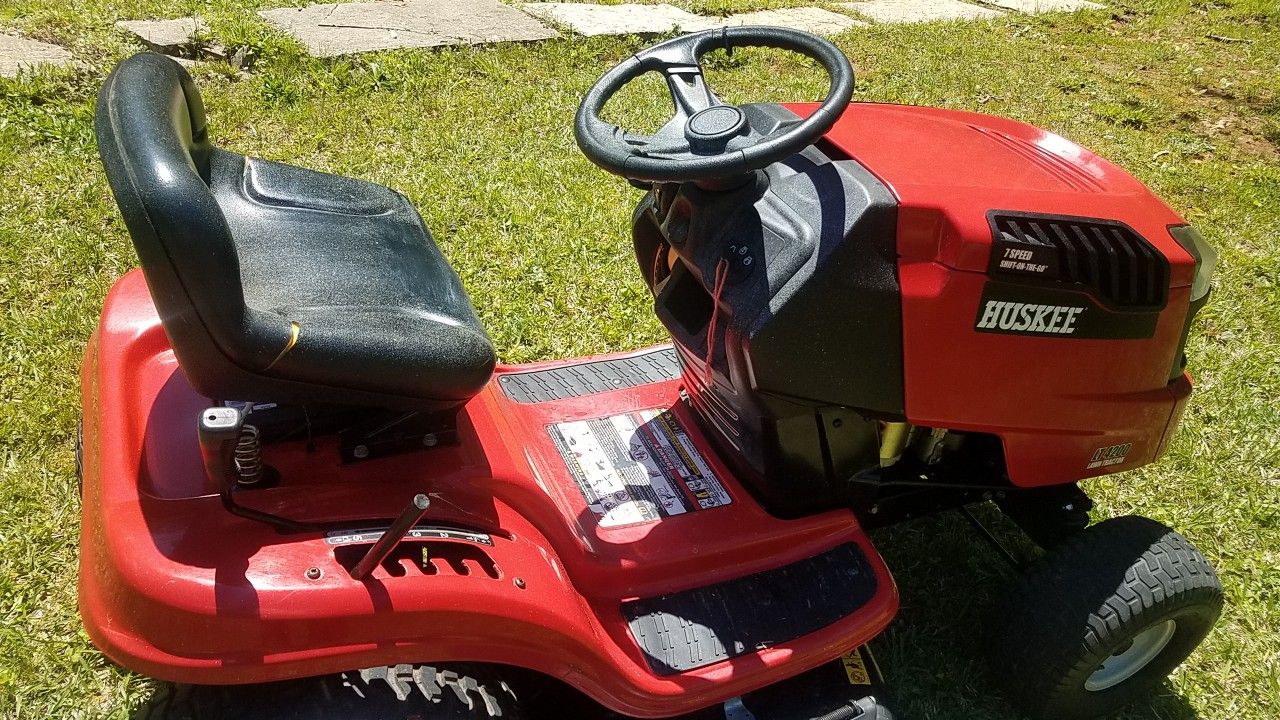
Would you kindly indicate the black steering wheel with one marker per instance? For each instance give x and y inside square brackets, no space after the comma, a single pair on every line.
[708,138]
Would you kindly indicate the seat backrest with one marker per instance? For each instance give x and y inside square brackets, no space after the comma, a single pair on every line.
[155,147]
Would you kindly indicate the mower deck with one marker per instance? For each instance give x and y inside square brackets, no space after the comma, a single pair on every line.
[532,553]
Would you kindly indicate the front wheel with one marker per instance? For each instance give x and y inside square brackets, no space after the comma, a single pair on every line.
[1102,618]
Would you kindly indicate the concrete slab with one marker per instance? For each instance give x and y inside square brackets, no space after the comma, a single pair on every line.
[626,19]
[334,29]
[166,36]
[1043,6]
[914,11]
[809,19]
[17,53]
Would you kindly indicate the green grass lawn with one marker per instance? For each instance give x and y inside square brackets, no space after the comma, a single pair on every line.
[1187,97]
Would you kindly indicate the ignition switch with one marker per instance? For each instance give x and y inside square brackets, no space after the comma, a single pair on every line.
[742,261]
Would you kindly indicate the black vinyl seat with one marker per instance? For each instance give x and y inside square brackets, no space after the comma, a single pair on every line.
[276,283]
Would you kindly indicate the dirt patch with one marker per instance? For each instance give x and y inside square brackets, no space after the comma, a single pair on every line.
[1238,121]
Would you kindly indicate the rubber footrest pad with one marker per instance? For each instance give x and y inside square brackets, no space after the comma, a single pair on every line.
[588,378]
[686,630]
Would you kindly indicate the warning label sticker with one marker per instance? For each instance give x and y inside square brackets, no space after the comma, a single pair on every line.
[855,668]
[637,467]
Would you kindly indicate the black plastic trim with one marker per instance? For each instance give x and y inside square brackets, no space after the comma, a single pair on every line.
[588,378]
[686,630]
[1111,261]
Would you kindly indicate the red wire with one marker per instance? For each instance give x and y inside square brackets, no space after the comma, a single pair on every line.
[657,264]
[722,273]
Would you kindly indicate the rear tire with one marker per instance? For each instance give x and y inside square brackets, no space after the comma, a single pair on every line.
[1102,618]
[401,692]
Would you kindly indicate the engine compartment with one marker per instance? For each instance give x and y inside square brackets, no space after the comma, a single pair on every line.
[995,280]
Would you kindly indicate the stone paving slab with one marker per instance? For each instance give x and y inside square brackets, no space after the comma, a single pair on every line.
[626,19]
[1043,6]
[165,35]
[914,11]
[635,19]
[809,19]
[17,53]
[334,29]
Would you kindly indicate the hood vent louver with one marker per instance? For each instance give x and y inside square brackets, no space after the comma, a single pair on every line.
[1118,266]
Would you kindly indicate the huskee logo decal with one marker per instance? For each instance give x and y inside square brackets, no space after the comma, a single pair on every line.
[1051,312]
[1029,318]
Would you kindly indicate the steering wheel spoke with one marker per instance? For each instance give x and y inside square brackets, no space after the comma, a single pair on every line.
[656,145]
[689,90]
[786,125]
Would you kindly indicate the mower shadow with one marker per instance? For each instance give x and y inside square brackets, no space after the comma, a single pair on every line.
[932,654]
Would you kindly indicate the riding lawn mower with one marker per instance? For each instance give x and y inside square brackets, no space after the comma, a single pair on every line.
[306,481]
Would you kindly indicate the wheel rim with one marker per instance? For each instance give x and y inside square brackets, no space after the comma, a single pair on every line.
[1128,659]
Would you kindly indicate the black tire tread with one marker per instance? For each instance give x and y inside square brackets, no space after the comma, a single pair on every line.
[460,692]
[1040,662]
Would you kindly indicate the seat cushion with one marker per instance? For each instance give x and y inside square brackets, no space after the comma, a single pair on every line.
[276,283]
[349,264]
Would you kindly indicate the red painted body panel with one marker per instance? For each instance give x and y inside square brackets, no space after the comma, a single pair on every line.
[1052,401]
[173,586]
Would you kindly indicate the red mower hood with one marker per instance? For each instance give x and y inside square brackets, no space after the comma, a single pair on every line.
[948,167]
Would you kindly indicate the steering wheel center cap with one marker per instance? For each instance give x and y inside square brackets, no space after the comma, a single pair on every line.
[712,127]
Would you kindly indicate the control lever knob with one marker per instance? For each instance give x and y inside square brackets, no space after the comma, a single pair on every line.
[219,431]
